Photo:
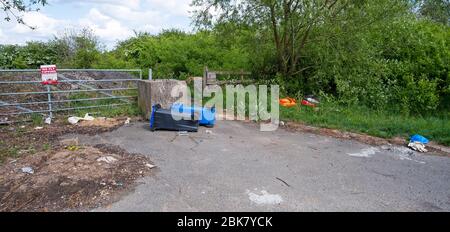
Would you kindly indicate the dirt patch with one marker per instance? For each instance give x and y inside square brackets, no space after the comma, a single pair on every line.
[367,139]
[71,178]
[65,175]
[18,141]
[102,122]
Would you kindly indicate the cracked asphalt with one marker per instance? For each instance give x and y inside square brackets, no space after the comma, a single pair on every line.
[235,167]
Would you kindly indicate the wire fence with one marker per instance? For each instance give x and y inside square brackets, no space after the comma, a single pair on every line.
[22,93]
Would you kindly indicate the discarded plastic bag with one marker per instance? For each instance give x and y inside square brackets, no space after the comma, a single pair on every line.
[420,139]
[28,170]
[75,120]
[418,142]
[310,101]
[417,146]
[48,120]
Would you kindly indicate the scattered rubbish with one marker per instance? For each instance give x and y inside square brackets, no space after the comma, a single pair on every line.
[22,127]
[397,149]
[128,121]
[307,103]
[28,170]
[48,120]
[282,123]
[73,148]
[163,119]
[288,102]
[75,120]
[150,165]
[183,133]
[118,184]
[417,143]
[310,101]
[107,159]
[402,153]
[417,146]
[62,179]
[39,128]
[365,153]
[209,132]
[284,182]
[265,198]
[420,139]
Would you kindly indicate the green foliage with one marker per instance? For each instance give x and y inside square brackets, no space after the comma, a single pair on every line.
[77,49]
[401,64]
[32,55]
[175,54]
[73,50]
[108,110]
[37,119]
[378,54]
[436,10]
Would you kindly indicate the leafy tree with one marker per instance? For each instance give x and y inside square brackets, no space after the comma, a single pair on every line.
[77,49]
[290,22]
[13,9]
[436,10]
[176,54]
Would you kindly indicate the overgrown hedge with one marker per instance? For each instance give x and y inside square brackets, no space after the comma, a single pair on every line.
[400,65]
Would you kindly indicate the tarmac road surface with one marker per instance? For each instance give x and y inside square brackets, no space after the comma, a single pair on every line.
[235,167]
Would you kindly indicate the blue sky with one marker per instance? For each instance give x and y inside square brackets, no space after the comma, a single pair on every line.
[111,20]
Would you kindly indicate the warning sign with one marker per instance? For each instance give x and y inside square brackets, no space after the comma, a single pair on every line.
[49,74]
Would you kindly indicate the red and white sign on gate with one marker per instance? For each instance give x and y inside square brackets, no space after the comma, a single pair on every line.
[49,75]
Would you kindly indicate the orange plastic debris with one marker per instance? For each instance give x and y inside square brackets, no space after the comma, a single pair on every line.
[288,102]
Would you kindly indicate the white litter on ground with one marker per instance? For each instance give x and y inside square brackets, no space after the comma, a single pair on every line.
[75,120]
[150,165]
[28,170]
[107,159]
[265,198]
[416,146]
[365,153]
[402,153]
[183,133]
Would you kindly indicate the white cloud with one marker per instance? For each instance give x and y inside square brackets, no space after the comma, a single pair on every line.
[105,27]
[177,7]
[111,20]
[43,24]
[46,27]
[134,4]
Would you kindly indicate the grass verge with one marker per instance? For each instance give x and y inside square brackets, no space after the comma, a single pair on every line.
[363,120]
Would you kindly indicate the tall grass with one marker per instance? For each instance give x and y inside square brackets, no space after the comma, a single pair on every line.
[377,123]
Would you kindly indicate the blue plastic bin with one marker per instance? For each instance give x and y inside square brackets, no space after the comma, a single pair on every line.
[208,115]
[163,119]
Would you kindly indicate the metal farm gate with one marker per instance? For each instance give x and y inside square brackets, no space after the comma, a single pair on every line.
[22,94]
